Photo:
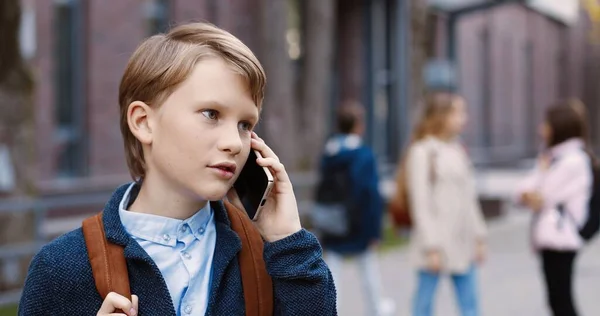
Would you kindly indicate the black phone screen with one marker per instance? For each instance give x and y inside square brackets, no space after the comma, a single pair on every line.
[251,185]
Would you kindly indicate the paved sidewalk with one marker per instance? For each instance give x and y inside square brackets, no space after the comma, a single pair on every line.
[510,281]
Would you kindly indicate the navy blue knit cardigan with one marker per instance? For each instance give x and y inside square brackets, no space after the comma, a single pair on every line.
[60,281]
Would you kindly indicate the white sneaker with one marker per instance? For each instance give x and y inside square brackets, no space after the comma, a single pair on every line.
[387,307]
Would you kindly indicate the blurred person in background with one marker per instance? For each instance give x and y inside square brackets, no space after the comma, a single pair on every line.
[349,208]
[557,192]
[449,232]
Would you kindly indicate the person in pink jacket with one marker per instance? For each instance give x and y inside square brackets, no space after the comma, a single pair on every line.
[557,192]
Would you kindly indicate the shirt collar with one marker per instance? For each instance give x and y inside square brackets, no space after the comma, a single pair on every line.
[342,142]
[160,229]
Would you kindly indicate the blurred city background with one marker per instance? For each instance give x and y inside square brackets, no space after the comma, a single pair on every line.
[61,152]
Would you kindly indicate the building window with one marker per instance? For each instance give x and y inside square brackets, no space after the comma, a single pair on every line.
[530,96]
[157,16]
[507,131]
[69,85]
[295,38]
[485,97]
[293,35]
[27,31]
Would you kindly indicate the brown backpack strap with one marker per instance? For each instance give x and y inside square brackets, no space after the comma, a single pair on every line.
[256,282]
[107,259]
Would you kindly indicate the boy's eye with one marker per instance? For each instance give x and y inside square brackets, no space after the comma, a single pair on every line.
[210,114]
[245,126]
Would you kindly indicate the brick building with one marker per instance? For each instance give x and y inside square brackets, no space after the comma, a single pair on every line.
[80,48]
[512,60]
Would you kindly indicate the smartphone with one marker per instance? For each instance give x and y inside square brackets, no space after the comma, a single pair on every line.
[253,185]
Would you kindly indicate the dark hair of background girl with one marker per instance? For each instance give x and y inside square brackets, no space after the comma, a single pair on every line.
[568,120]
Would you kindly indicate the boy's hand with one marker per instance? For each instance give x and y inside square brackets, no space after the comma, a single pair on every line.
[114,304]
[279,217]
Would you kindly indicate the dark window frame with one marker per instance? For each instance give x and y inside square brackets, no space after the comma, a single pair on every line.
[69,85]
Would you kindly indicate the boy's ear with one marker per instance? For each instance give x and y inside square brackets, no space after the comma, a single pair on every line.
[139,116]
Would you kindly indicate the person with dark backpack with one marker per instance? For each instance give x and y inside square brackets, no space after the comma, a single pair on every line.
[348,209]
[563,194]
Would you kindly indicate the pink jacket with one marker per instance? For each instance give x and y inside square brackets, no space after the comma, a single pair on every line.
[568,182]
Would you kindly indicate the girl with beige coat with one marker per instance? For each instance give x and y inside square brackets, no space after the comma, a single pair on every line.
[449,231]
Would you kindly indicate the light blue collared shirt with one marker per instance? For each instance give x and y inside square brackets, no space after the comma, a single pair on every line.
[182,249]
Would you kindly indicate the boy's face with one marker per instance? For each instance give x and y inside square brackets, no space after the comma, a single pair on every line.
[200,136]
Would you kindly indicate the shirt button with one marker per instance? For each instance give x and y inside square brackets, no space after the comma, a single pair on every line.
[183,229]
[188,309]
[166,237]
[201,231]
[186,255]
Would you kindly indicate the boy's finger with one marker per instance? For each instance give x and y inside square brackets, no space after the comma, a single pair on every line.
[113,302]
[264,150]
[134,301]
[255,136]
[276,166]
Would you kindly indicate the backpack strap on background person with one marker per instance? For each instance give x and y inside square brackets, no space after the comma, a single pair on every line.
[107,259]
[256,281]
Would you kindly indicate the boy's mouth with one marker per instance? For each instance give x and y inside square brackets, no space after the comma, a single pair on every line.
[225,166]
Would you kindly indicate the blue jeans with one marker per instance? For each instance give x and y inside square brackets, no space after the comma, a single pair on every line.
[465,288]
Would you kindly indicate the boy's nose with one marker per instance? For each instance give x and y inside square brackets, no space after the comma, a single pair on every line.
[230,141]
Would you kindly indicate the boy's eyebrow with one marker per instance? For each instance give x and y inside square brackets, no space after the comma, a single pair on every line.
[252,115]
[214,103]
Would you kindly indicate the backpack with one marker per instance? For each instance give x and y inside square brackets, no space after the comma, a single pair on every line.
[399,206]
[590,228]
[334,213]
[110,269]
[592,224]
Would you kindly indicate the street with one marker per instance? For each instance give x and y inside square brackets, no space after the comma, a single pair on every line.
[510,281]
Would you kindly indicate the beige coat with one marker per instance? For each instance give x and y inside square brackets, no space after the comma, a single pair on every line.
[445,209]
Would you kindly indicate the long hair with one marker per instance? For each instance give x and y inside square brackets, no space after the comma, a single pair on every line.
[436,109]
[567,120]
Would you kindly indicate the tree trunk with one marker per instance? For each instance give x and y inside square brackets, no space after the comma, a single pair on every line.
[16,130]
[316,76]
[279,123]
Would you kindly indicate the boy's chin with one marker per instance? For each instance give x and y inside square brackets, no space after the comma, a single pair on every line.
[215,193]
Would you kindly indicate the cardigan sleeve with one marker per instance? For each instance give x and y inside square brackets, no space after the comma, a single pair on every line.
[418,173]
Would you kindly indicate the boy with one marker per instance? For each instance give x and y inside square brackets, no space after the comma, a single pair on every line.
[189,101]
[346,153]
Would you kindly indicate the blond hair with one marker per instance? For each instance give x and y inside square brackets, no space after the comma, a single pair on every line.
[433,121]
[437,107]
[164,61]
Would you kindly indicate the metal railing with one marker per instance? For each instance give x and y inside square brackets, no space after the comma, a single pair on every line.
[46,229]
[303,183]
